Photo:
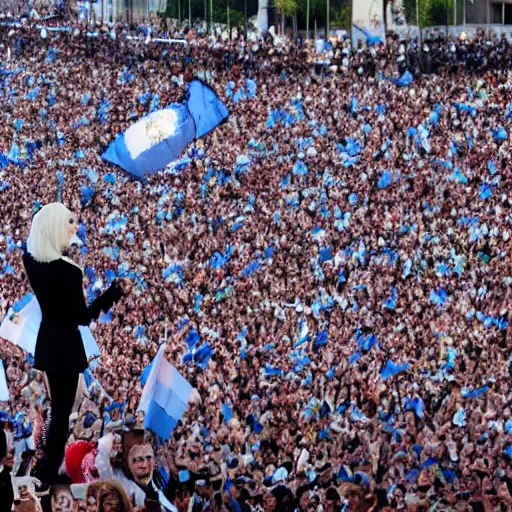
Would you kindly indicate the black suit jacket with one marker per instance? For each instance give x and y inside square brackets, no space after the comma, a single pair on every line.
[58,288]
[6,491]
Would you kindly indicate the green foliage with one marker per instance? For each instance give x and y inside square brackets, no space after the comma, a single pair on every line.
[432,12]
[220,11]
[220,15]
[317,10]
[286,7]
[342,18]
[441,12]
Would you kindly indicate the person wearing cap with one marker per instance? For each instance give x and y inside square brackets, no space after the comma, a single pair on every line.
[203,495]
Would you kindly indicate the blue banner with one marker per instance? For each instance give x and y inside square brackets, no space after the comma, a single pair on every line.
[205,107]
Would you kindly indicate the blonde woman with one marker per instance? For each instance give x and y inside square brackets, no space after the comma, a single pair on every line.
[112,497]
[57,284]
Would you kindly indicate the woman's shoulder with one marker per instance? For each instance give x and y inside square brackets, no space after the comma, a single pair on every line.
[62,264]
[70,263]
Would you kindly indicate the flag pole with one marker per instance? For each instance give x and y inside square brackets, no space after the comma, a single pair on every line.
[229,24]
[489,19]
[211,15]
[420,34]
[307,20]
[245,18]
[327,23]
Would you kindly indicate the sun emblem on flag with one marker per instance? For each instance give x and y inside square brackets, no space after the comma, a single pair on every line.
[161,126]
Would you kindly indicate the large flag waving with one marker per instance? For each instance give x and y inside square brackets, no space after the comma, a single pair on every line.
[165,397]
[160,138]
[153,142]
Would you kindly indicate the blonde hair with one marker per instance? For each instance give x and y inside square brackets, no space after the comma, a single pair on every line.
[113,487]
[49,233]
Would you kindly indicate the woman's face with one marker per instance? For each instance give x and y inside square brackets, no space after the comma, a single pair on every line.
[399,499]
[110,503]
[270,502]
[72,227]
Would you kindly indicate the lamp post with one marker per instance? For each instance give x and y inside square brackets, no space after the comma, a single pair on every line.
[327,27]
[229,24]
[447,18]
[307,20]
[418,15]
[419,30]
[489,19]
[245,17]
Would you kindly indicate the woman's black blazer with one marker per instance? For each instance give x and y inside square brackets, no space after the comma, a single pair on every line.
[58,288]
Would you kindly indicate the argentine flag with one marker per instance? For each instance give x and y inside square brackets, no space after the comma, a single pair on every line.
[158,139]
[165,397]
[153,142]
[21,327]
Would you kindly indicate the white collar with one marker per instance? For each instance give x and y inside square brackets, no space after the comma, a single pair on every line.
[71,262]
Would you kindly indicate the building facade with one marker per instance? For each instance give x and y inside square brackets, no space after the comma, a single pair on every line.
[498,12]
[127,10]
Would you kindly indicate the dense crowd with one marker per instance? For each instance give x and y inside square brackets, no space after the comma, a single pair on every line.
[330,264]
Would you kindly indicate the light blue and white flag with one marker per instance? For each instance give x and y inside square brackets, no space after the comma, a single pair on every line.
[21,327]
[153,142]
[157,140]
[164,397]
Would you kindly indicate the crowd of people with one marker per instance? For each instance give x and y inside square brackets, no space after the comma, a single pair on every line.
[330,267]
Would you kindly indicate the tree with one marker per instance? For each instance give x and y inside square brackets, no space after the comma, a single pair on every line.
[342,18]
[219,10]
[286,9]
[432,12]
